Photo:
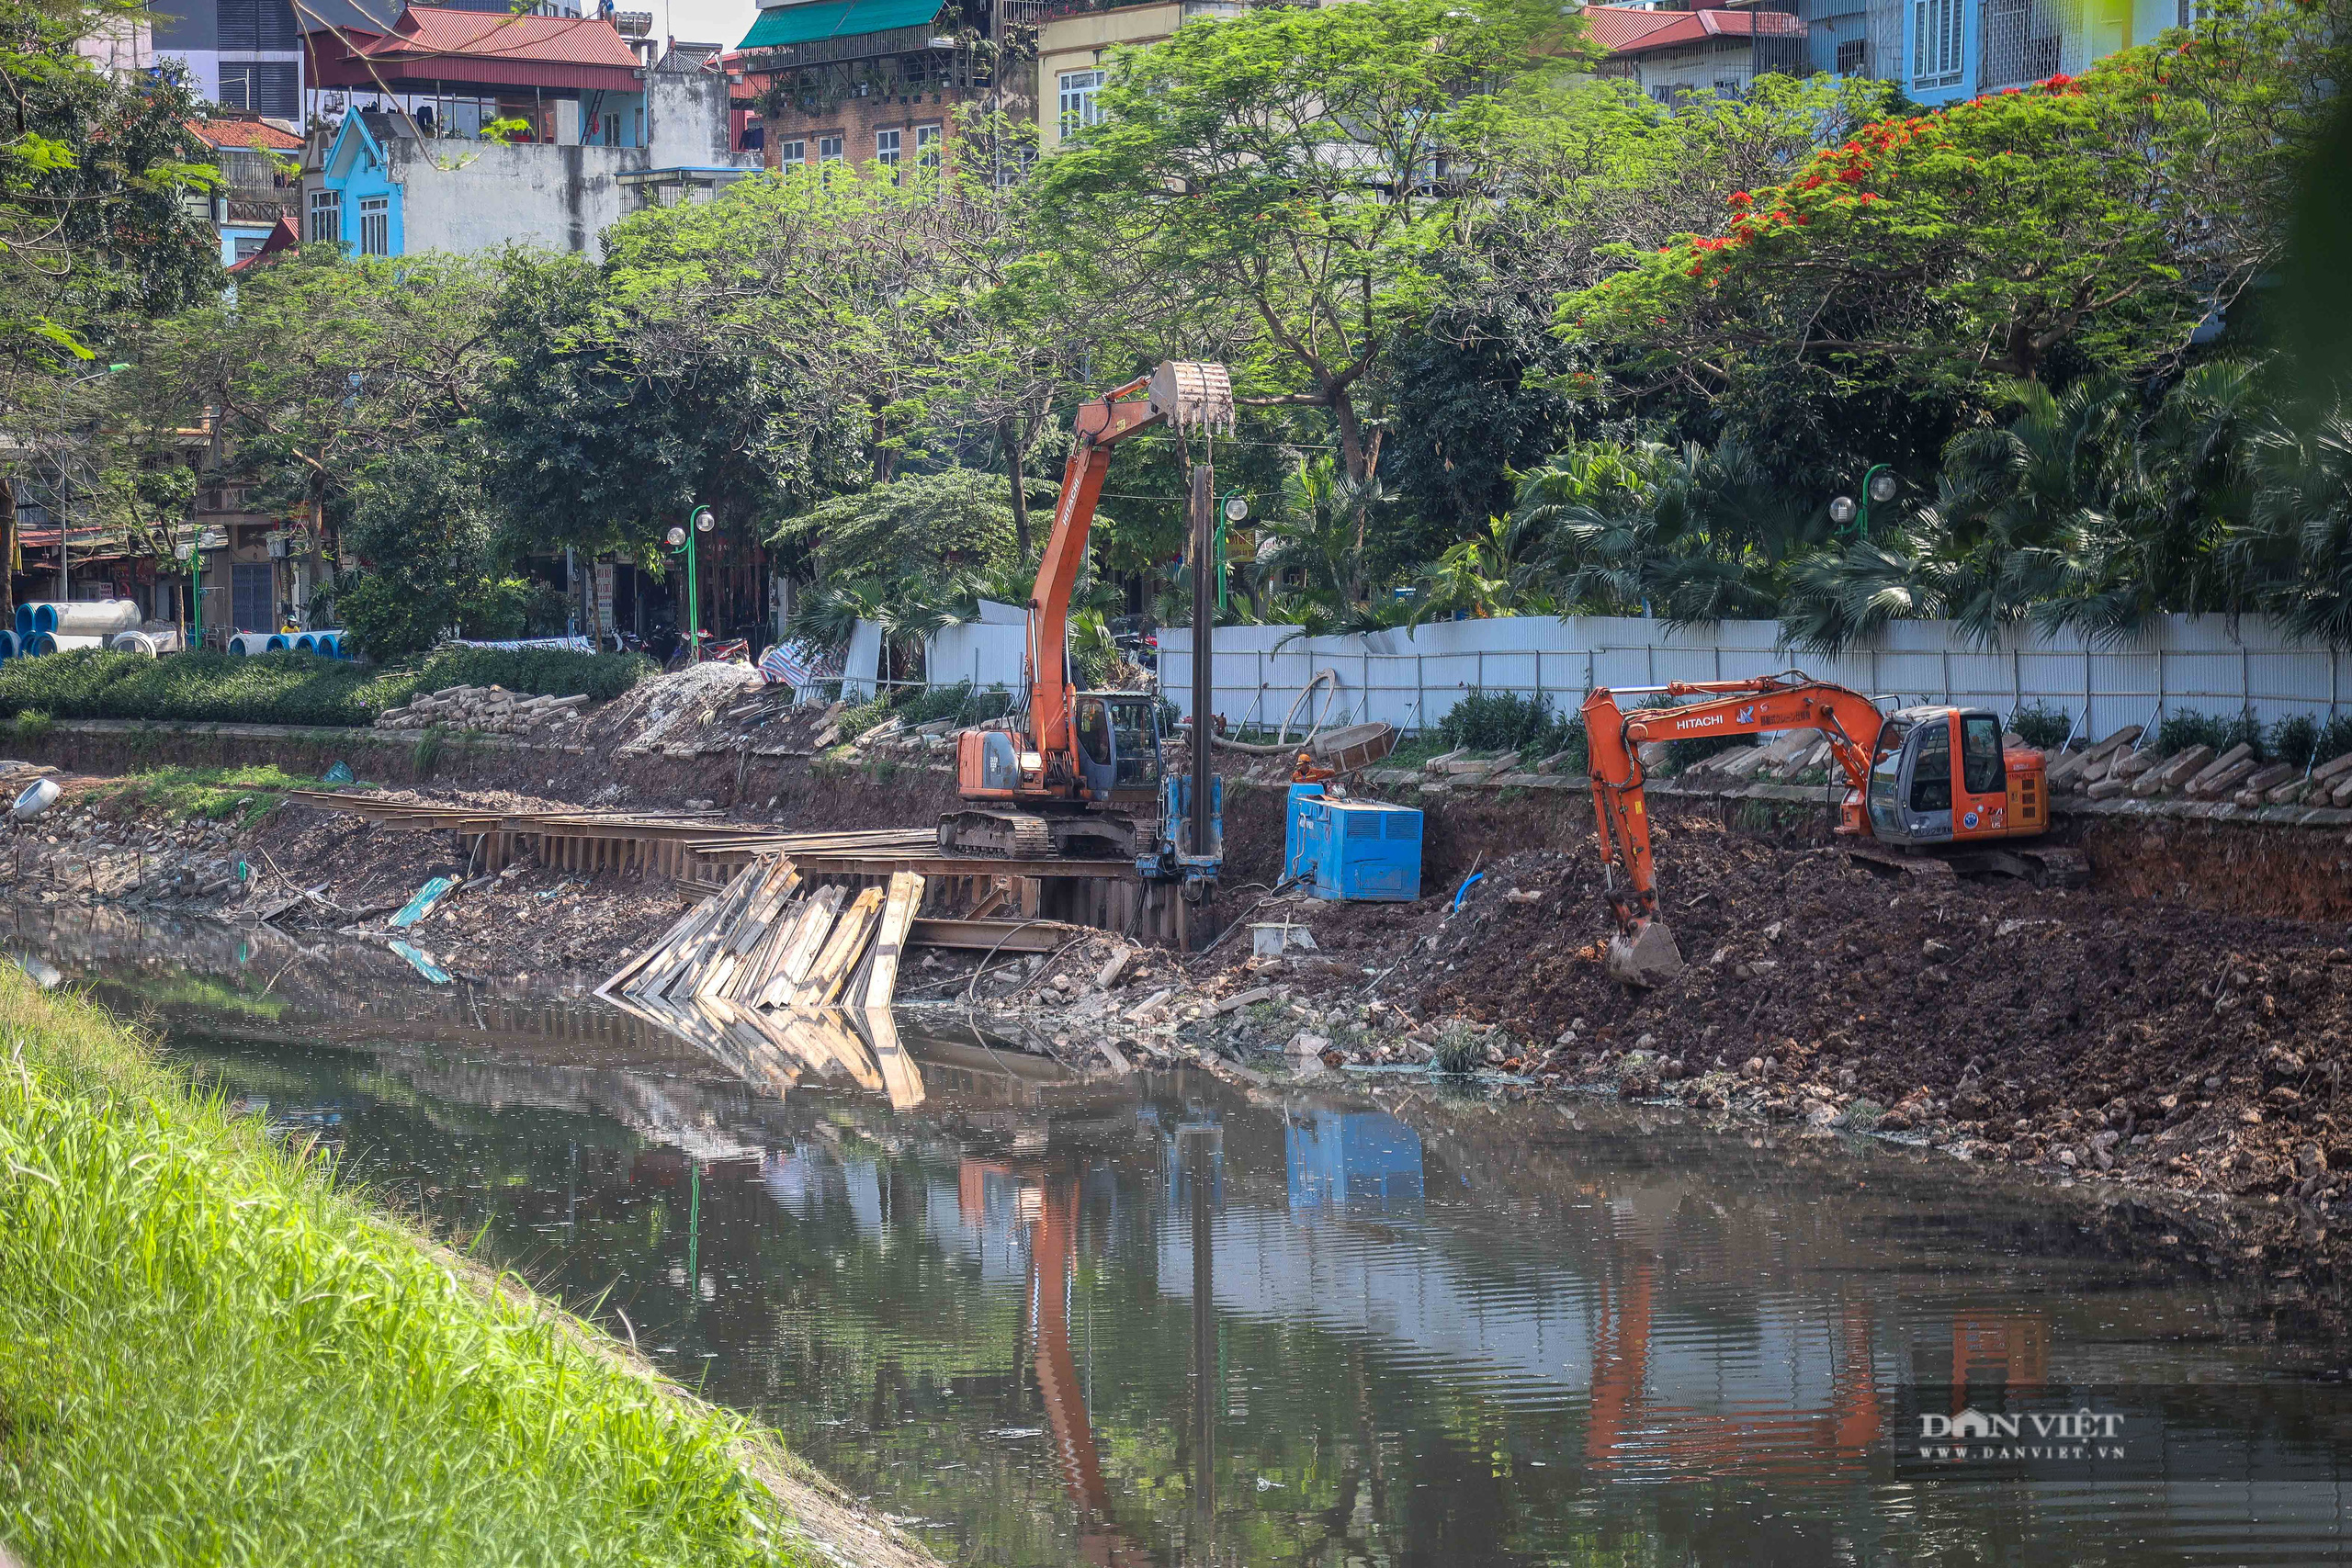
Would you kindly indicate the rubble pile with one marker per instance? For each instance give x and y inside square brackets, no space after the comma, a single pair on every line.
[713,710]
[493,709]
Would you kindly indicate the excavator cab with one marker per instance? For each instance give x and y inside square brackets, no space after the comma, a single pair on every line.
[1941,775]
[1118,745]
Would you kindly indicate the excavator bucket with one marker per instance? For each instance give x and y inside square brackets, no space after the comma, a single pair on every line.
[1188,393]
[1644,956]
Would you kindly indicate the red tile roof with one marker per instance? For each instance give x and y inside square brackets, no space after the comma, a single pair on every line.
[425,30]
[281,237]
[1625,30]
[244,133]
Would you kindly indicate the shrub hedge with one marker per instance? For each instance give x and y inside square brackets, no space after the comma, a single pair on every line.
[289,688]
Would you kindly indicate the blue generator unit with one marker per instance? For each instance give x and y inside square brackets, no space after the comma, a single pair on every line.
[1352,849]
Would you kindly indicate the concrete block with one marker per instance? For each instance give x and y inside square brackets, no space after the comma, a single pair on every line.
[2113,743]
[2291,792]
[1250,997]
[2330,771]
[2132,764]
[2106,789]
[1437,764]
[2212,785]
[2066,773]
[2203,782]
[2173,772]
[2262,781]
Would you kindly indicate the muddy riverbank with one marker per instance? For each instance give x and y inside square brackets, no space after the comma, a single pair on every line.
[2110,1033]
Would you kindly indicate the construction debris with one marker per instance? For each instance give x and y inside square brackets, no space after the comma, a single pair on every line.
[493,709]
[782,982]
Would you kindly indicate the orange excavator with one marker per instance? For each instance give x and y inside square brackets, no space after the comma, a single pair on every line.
[1932,779]
[1085,778]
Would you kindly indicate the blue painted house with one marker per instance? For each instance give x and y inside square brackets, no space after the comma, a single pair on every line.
[584,135]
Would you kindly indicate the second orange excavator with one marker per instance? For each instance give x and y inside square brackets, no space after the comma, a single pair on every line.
[1929,778]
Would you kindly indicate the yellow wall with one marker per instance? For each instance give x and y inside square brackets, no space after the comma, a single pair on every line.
[1084,42]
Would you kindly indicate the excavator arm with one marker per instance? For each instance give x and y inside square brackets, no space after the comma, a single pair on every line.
[1180,392]
[1643,953]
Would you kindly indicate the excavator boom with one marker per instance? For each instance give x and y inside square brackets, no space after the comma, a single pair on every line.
[1180,393]
[1643,952]
[1070,784]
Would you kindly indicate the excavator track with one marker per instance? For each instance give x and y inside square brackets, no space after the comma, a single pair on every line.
[1013,835]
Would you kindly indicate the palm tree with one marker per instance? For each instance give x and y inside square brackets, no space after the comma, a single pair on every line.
[2296,543]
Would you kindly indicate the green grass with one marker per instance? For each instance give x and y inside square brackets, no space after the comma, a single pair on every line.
[210,1355]
[180,793]
[287,688]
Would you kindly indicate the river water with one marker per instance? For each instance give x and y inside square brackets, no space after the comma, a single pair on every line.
[1161,1320]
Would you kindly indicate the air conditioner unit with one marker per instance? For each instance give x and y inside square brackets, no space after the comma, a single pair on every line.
[280,546]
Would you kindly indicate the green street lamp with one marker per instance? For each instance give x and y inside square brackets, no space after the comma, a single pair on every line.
[698,521]
[1879,484]
[186,551]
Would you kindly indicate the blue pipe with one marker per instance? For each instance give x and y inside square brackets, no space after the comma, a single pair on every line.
[1462,892]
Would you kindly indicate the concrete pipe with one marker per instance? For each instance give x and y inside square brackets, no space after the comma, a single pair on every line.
[87,618]
[38,798]
[275,643]
[151,643]
[63,642]
[7,645]
[24,626]
[305,643]
[254,642]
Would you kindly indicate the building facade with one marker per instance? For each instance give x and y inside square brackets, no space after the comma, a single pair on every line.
[262,190]
[881,84]
[241,54]
[1074,49]
[1937,52]
[1708,51]
[472,130]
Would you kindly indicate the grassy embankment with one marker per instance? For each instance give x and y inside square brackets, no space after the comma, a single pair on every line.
[209,1355]
[178,793]
[286,688]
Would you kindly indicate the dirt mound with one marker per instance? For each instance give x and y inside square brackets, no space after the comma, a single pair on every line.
[2032,1023]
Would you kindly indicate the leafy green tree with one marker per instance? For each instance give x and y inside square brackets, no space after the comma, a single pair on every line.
[938,527]
[2097,220]
[320,366]
[1269,188]
[92,175]
[429,556]
[1691,536]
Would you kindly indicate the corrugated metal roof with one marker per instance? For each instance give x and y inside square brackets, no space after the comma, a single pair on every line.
[815,19]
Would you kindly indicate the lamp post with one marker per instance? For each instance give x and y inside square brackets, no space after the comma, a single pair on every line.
[698,521]
[186,552]
[1236,509]
[1879,484]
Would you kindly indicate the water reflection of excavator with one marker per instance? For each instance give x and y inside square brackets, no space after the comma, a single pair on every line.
[1922,778]
[1629,1431]
[1823,1445]
[1053,1257]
